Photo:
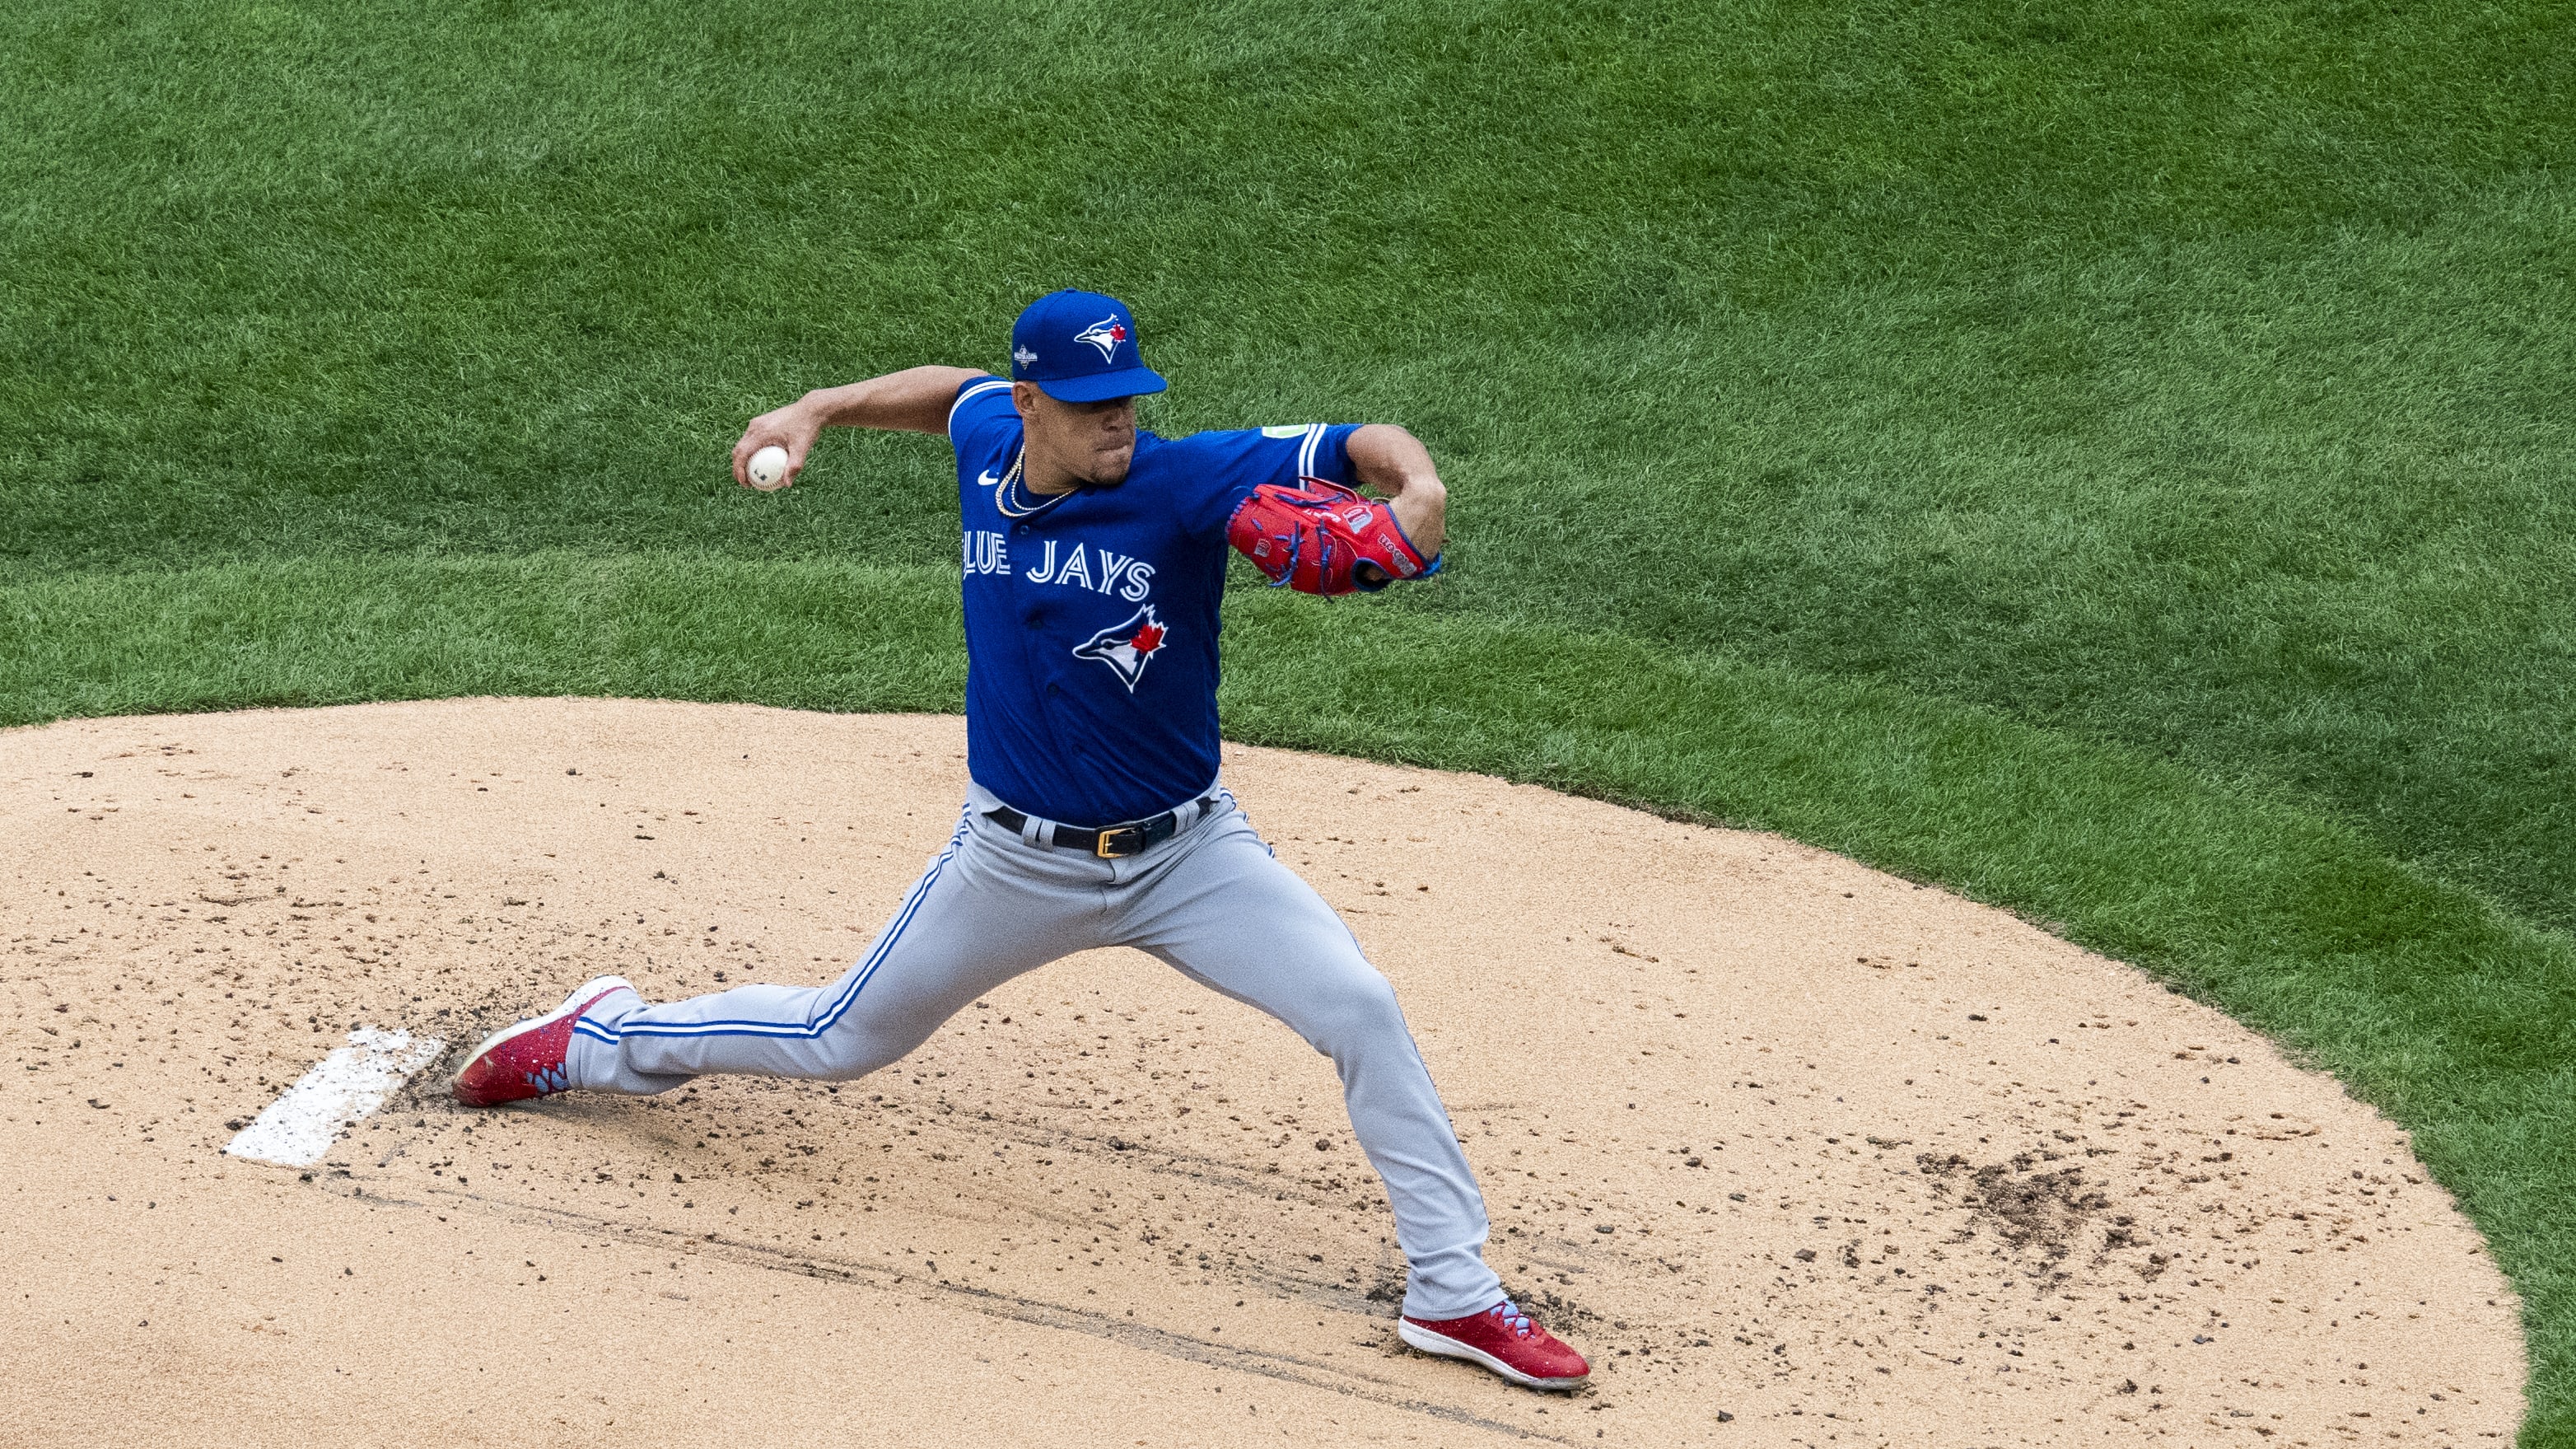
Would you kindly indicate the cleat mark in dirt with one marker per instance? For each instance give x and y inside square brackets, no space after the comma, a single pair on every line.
[1170,1343]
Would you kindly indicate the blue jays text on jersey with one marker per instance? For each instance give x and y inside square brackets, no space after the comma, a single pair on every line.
[1092,616]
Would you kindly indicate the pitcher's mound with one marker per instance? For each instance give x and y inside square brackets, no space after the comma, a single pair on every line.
[1797,1152]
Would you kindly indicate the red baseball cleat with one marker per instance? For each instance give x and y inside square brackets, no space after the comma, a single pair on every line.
[527,1060]
[1503,1339]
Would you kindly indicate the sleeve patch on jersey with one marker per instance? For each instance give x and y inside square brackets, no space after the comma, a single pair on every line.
[1293,430]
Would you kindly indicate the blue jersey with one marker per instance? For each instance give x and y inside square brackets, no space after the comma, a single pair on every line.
[1091,616]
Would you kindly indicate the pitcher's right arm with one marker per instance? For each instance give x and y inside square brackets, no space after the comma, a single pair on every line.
[915,400]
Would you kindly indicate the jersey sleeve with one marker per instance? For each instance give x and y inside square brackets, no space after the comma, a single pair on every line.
[981,415]
[1227,466]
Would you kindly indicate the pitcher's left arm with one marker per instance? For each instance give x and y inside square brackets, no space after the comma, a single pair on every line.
[1322,537]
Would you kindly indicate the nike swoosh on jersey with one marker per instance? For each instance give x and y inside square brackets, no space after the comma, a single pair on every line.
[988,478]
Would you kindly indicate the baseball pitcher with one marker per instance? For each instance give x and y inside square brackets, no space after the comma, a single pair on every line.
[1095,560]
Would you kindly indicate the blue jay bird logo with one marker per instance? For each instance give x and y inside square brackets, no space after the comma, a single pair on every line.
[1104,334]
[1126,648]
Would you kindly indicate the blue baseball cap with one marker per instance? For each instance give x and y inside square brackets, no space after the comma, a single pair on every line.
[1080,347]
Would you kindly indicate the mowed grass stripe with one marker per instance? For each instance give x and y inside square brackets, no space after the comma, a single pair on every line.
[2455,1019]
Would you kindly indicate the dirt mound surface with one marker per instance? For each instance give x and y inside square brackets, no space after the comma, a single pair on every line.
[1798,1152]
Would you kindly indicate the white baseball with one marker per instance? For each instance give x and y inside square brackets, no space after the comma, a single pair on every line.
[768,469]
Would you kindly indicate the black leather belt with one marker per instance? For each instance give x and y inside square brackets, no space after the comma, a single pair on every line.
[1115,842]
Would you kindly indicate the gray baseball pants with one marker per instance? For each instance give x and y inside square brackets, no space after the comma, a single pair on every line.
[1210,901]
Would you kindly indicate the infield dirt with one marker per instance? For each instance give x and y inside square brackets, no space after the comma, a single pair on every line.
[1798,1152]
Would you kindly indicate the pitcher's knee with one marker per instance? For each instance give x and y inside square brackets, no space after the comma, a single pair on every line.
[865,1041]
[1353,1005]
[847,1054]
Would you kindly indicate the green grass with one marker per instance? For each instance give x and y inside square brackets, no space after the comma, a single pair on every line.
[2192,378]
[2115,460]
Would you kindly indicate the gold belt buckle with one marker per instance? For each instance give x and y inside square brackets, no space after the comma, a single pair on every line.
[1102,848]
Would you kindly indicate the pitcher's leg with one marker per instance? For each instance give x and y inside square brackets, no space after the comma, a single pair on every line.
[1233,918]
[971,922]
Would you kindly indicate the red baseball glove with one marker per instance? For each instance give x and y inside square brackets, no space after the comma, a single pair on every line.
[1322,538]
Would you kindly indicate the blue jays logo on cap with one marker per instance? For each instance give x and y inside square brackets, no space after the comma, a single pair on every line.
[1080,347]
[1104,334]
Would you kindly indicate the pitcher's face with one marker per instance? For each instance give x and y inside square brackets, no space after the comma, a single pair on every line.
[1093,442]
